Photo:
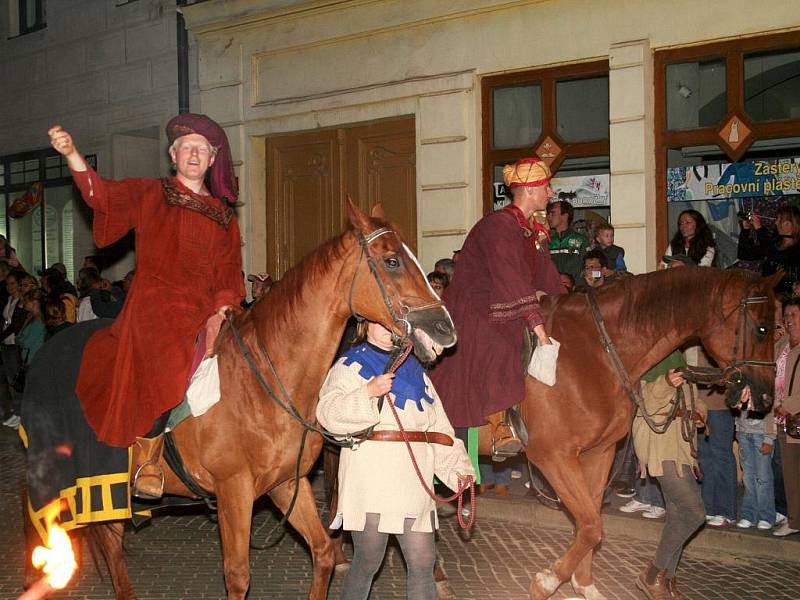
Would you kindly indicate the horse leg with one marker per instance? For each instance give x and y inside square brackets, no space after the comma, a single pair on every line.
[107,538]
[565,474]
[305,519]
[235,498]
[596,467]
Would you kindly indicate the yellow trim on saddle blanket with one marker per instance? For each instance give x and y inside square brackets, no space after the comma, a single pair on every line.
[93,491]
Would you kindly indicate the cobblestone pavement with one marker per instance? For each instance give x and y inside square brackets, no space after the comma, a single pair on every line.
[178,557]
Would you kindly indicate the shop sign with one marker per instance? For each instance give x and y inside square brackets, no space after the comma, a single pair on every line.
[745,179]
[582,191]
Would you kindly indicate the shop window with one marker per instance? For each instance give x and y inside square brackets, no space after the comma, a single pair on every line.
[582,109]
[559,115]
[517,117]
[772,85]
[727,135]
[696,94]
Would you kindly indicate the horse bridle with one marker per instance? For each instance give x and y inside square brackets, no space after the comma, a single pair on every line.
[398,318]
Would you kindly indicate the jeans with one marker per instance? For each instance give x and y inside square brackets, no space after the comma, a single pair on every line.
[494,473]
[648,491]
[718,465]
[759,496]
[685,515]
[625,463]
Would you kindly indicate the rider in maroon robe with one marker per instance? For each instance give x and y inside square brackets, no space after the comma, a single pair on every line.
[502,269]
[188,273]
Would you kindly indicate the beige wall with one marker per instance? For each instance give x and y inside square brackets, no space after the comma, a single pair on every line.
[276,66]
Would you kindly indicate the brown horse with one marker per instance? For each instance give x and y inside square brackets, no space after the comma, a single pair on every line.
[246,445]
[575,425]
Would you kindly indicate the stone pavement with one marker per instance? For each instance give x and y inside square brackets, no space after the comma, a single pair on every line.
[178,557]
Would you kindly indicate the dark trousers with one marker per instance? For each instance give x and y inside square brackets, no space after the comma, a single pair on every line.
[685,515]
[718,465]
[777,481]
[12,363]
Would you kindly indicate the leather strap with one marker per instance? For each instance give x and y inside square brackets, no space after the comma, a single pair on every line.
[791,381]
[431,437]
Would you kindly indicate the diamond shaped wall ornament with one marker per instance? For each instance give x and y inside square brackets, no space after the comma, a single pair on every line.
[735,135]
[549,151]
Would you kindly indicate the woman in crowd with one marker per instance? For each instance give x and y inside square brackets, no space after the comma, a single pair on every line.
[787,402]
[55,316]
[694,239]
[379,493]
[33,333]
[55,286]
[14,316]
[779,249]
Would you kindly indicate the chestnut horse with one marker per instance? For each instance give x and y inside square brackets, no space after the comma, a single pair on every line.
[246,445]
[574,426]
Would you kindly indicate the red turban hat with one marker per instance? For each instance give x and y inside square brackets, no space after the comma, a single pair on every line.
[222,178]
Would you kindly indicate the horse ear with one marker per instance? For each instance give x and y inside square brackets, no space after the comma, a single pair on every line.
[357,218]
[772,280]
[377,212]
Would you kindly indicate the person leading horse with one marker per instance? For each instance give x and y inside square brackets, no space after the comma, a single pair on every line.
[188,275]
[503,269]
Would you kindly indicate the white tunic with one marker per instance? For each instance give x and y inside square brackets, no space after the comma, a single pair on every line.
[378,477]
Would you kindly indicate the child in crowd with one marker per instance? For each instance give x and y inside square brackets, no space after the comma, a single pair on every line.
[379,493]
[439,282]
[604,240]
[756,433]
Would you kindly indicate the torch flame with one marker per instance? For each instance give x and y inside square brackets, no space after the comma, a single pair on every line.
[57,560]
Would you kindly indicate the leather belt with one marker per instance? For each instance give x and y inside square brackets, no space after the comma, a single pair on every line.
[431,437]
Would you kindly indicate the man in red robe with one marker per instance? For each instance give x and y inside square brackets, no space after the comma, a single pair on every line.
[503,268]
[188,274]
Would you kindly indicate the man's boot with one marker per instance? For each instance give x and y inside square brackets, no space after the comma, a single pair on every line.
[148,481]
[653,582]
[504,442]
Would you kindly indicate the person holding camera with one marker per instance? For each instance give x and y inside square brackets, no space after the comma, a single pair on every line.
[595,270]
[778,248]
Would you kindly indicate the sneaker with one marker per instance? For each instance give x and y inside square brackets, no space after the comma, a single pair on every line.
[635,506]
[13,421]
[718,521]
[654,512]
[784,530]
[780,518]
[744,524]
[764,525]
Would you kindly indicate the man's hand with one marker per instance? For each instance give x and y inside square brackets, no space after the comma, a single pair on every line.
[544,339]
[62,142]
[675,378]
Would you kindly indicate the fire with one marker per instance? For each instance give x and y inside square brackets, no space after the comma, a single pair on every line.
[57,559]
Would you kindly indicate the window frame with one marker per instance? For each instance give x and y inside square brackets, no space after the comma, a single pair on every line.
[733,52]
[41,17]
[547,79]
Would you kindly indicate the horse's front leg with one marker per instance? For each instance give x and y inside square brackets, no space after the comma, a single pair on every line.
[305,519]
[565,474]
[235,498]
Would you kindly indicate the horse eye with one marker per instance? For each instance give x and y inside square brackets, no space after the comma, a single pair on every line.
[391,262]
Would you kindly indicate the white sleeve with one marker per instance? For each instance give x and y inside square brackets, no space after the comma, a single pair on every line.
[708,257]
[344,404]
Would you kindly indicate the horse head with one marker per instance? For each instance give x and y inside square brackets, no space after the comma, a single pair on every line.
[741,339]
[389,287]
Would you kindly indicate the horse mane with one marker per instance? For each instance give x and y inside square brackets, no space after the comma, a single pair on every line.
[669,298]
[283,297]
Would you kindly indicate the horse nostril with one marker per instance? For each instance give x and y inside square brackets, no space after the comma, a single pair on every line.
[443,327]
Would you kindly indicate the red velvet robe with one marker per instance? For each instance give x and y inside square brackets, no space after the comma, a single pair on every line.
[492,300]
[187,266]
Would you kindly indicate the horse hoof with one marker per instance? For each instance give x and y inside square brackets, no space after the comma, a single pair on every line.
[445,591]
[544,584]
[341,569]
[590,592]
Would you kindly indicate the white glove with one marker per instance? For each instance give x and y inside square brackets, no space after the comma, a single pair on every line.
[543,362]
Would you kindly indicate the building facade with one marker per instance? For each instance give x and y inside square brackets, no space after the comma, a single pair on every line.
[107,71]
[419,103]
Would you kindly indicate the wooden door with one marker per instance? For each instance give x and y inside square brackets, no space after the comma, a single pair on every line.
[303,196]
[380,166]
[310,174]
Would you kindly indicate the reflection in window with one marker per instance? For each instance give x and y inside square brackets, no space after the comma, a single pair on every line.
[772,85]
[582,109]
[517,118]
[695,94]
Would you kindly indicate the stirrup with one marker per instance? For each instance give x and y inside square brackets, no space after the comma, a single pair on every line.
[143,493]
[513,448]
